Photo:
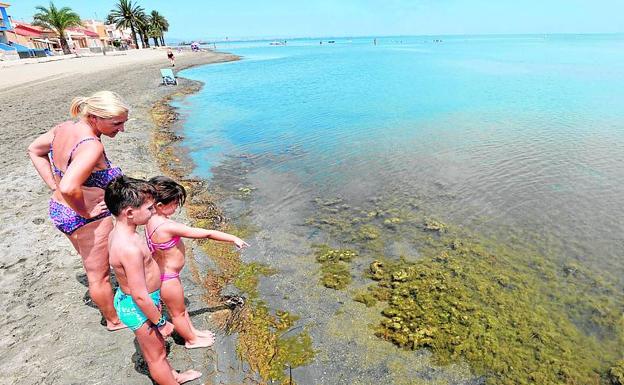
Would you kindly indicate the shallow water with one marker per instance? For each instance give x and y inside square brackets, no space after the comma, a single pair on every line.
[518,138]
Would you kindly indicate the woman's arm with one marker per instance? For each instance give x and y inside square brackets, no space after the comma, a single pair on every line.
[83,163]
[178,229]
[38,153]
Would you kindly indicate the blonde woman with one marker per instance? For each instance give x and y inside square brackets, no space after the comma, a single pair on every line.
[71,160]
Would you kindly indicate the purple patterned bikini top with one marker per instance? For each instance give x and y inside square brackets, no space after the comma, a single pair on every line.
[98,178]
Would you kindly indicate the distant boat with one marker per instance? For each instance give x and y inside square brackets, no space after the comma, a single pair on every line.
[277,43]
[331,41]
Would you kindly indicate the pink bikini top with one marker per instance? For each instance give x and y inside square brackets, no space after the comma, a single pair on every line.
[152,246]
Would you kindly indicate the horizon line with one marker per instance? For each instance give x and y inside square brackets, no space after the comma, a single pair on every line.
[278,37]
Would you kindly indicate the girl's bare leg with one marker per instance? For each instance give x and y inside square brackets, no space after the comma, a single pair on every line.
[201,333]
[91,242]
[153,350]
[172,295]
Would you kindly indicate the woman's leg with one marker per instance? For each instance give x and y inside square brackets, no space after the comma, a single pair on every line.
[172,294]
[91,242]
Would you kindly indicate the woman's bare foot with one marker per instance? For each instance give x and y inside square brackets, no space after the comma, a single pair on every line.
[200,342]
[111,326]
[187,376]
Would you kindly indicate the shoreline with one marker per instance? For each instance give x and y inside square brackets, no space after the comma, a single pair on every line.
[52,335]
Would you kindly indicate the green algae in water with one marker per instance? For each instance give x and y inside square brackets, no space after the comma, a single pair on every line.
[516,316]
[616,373]
[262,336]
[460,305]
[434,225]
[247,277]
[335,276]
[366,298]
[263,340]
[335,270]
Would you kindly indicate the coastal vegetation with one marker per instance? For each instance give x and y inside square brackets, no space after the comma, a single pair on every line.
[57,20]
[127,14]
[515,315]
[158,26]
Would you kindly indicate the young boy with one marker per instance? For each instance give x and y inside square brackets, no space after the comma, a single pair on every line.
[137,299]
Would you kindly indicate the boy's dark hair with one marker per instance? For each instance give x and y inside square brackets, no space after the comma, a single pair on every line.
[168,190]
[125,192]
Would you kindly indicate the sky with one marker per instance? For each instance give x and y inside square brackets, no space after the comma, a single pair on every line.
[235,19]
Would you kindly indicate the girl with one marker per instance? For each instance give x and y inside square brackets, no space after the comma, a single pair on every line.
[163,237]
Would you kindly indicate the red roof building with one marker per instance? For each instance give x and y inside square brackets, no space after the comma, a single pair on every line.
[32,36]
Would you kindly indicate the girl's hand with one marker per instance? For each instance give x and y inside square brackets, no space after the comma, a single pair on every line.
[97,210]
[240,244]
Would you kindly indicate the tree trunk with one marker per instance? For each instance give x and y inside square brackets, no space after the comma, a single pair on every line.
[156,41]
[162,40]
[134,38]
[144,38]
[64,45]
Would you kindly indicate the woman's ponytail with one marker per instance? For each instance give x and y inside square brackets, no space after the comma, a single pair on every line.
[76,106]
[103,104]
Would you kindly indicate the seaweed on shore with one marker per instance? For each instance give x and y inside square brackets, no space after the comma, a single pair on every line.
[264,341]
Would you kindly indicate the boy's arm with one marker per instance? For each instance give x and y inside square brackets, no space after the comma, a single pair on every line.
[132,262]
[178,229]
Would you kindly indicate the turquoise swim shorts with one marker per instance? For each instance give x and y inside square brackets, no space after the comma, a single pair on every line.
[128,311]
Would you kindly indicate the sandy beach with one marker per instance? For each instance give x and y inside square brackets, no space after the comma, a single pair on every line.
[51,336]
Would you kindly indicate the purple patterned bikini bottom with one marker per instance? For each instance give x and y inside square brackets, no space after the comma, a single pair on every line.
[67,220]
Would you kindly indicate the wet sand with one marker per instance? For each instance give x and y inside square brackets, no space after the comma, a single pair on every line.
[51,335]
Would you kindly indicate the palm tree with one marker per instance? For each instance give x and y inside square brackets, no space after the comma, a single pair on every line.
[159,25]
[57,20]
[126,16]
[143,27]
[165,28]
[154,33]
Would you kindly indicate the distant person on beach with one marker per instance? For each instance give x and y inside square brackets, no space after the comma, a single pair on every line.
[163,237]
[71,160]
[137,299]
[171,57]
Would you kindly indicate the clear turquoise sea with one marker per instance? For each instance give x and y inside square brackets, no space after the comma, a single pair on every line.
[514,137]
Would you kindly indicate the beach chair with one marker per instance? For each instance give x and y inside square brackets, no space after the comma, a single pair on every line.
[168,77]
